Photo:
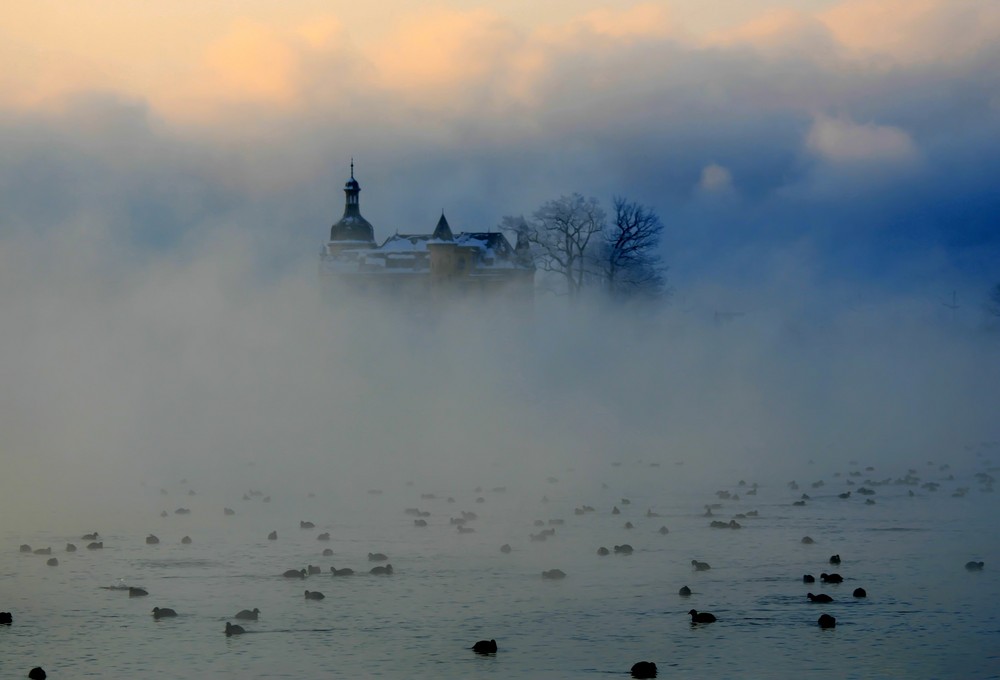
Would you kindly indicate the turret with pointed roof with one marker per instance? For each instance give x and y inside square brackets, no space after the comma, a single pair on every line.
[442,232]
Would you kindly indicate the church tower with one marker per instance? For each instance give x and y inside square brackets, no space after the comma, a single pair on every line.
[352,227]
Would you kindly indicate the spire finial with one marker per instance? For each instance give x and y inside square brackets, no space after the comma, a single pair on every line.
[352,167]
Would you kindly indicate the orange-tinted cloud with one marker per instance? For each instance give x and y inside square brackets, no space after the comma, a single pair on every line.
[915,30]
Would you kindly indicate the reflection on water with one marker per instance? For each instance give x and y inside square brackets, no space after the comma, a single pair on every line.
[925,615]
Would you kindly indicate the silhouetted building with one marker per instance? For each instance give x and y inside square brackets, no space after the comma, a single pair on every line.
[413,267]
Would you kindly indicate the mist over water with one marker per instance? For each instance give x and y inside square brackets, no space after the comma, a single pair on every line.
[196,367]
[127,388]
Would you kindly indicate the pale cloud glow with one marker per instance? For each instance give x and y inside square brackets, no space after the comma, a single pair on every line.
[715,179]
[841,140]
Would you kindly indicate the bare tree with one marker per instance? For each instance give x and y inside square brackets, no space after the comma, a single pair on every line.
[563,231]
[993,301]
[628,261]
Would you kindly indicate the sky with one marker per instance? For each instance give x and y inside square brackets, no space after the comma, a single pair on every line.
[825,169]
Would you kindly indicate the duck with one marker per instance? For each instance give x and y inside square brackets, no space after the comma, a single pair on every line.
[701,617]
[273,536]
[306,525]
[834,559]
[133,591]
[975,566]
[327,552]
[554,574]
[346,571]
[831,578]
[234,630]
[827,621]
[664,531]
[152,540]
[505,548]
[70,547]
[602,551]
[381,571]
[808,540]
[90,537]
[37,673]
[325,536]
[808,578]
[95,545]
[247,615]
[43,551]
[313,569]
[700,566]
[623,549]
[25,548]
[684,591]
[377,557]
[163,612]
[6,618]
[314,595]
[643,669]
[485,647]
[52,562]
[295,573]
[860,592]
[819,598]
[186,540]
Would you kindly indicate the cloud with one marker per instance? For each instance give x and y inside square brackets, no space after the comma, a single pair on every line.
[844,141]
[715,179]
[915,30]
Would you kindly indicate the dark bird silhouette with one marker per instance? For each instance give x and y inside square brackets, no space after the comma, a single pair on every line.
[381,571]
[831,578]
[834,559]
[163,612]
[860,592]
[273,536]
[137,592]
[346,571]
[37,673]
[234,630]
[247,615]
[554,574]
[975,566]
[152,540]
[377,557]
[827,621]
[485,647]
[505,548]
[6,618]
[701,617]
[684,591]
[700,566]
[314,595]
[644,669]
[819,598]
[808,578]
[295,573]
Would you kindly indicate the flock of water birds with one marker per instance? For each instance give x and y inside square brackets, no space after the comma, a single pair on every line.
[641,669]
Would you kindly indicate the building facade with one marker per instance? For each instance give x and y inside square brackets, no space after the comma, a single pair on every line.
[438,265]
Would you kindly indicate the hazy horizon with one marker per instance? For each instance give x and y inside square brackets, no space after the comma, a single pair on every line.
[825,172]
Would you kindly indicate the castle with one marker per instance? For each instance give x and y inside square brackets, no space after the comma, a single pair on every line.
[421,267]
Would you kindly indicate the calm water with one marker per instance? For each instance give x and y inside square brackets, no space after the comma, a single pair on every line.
[925,616]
